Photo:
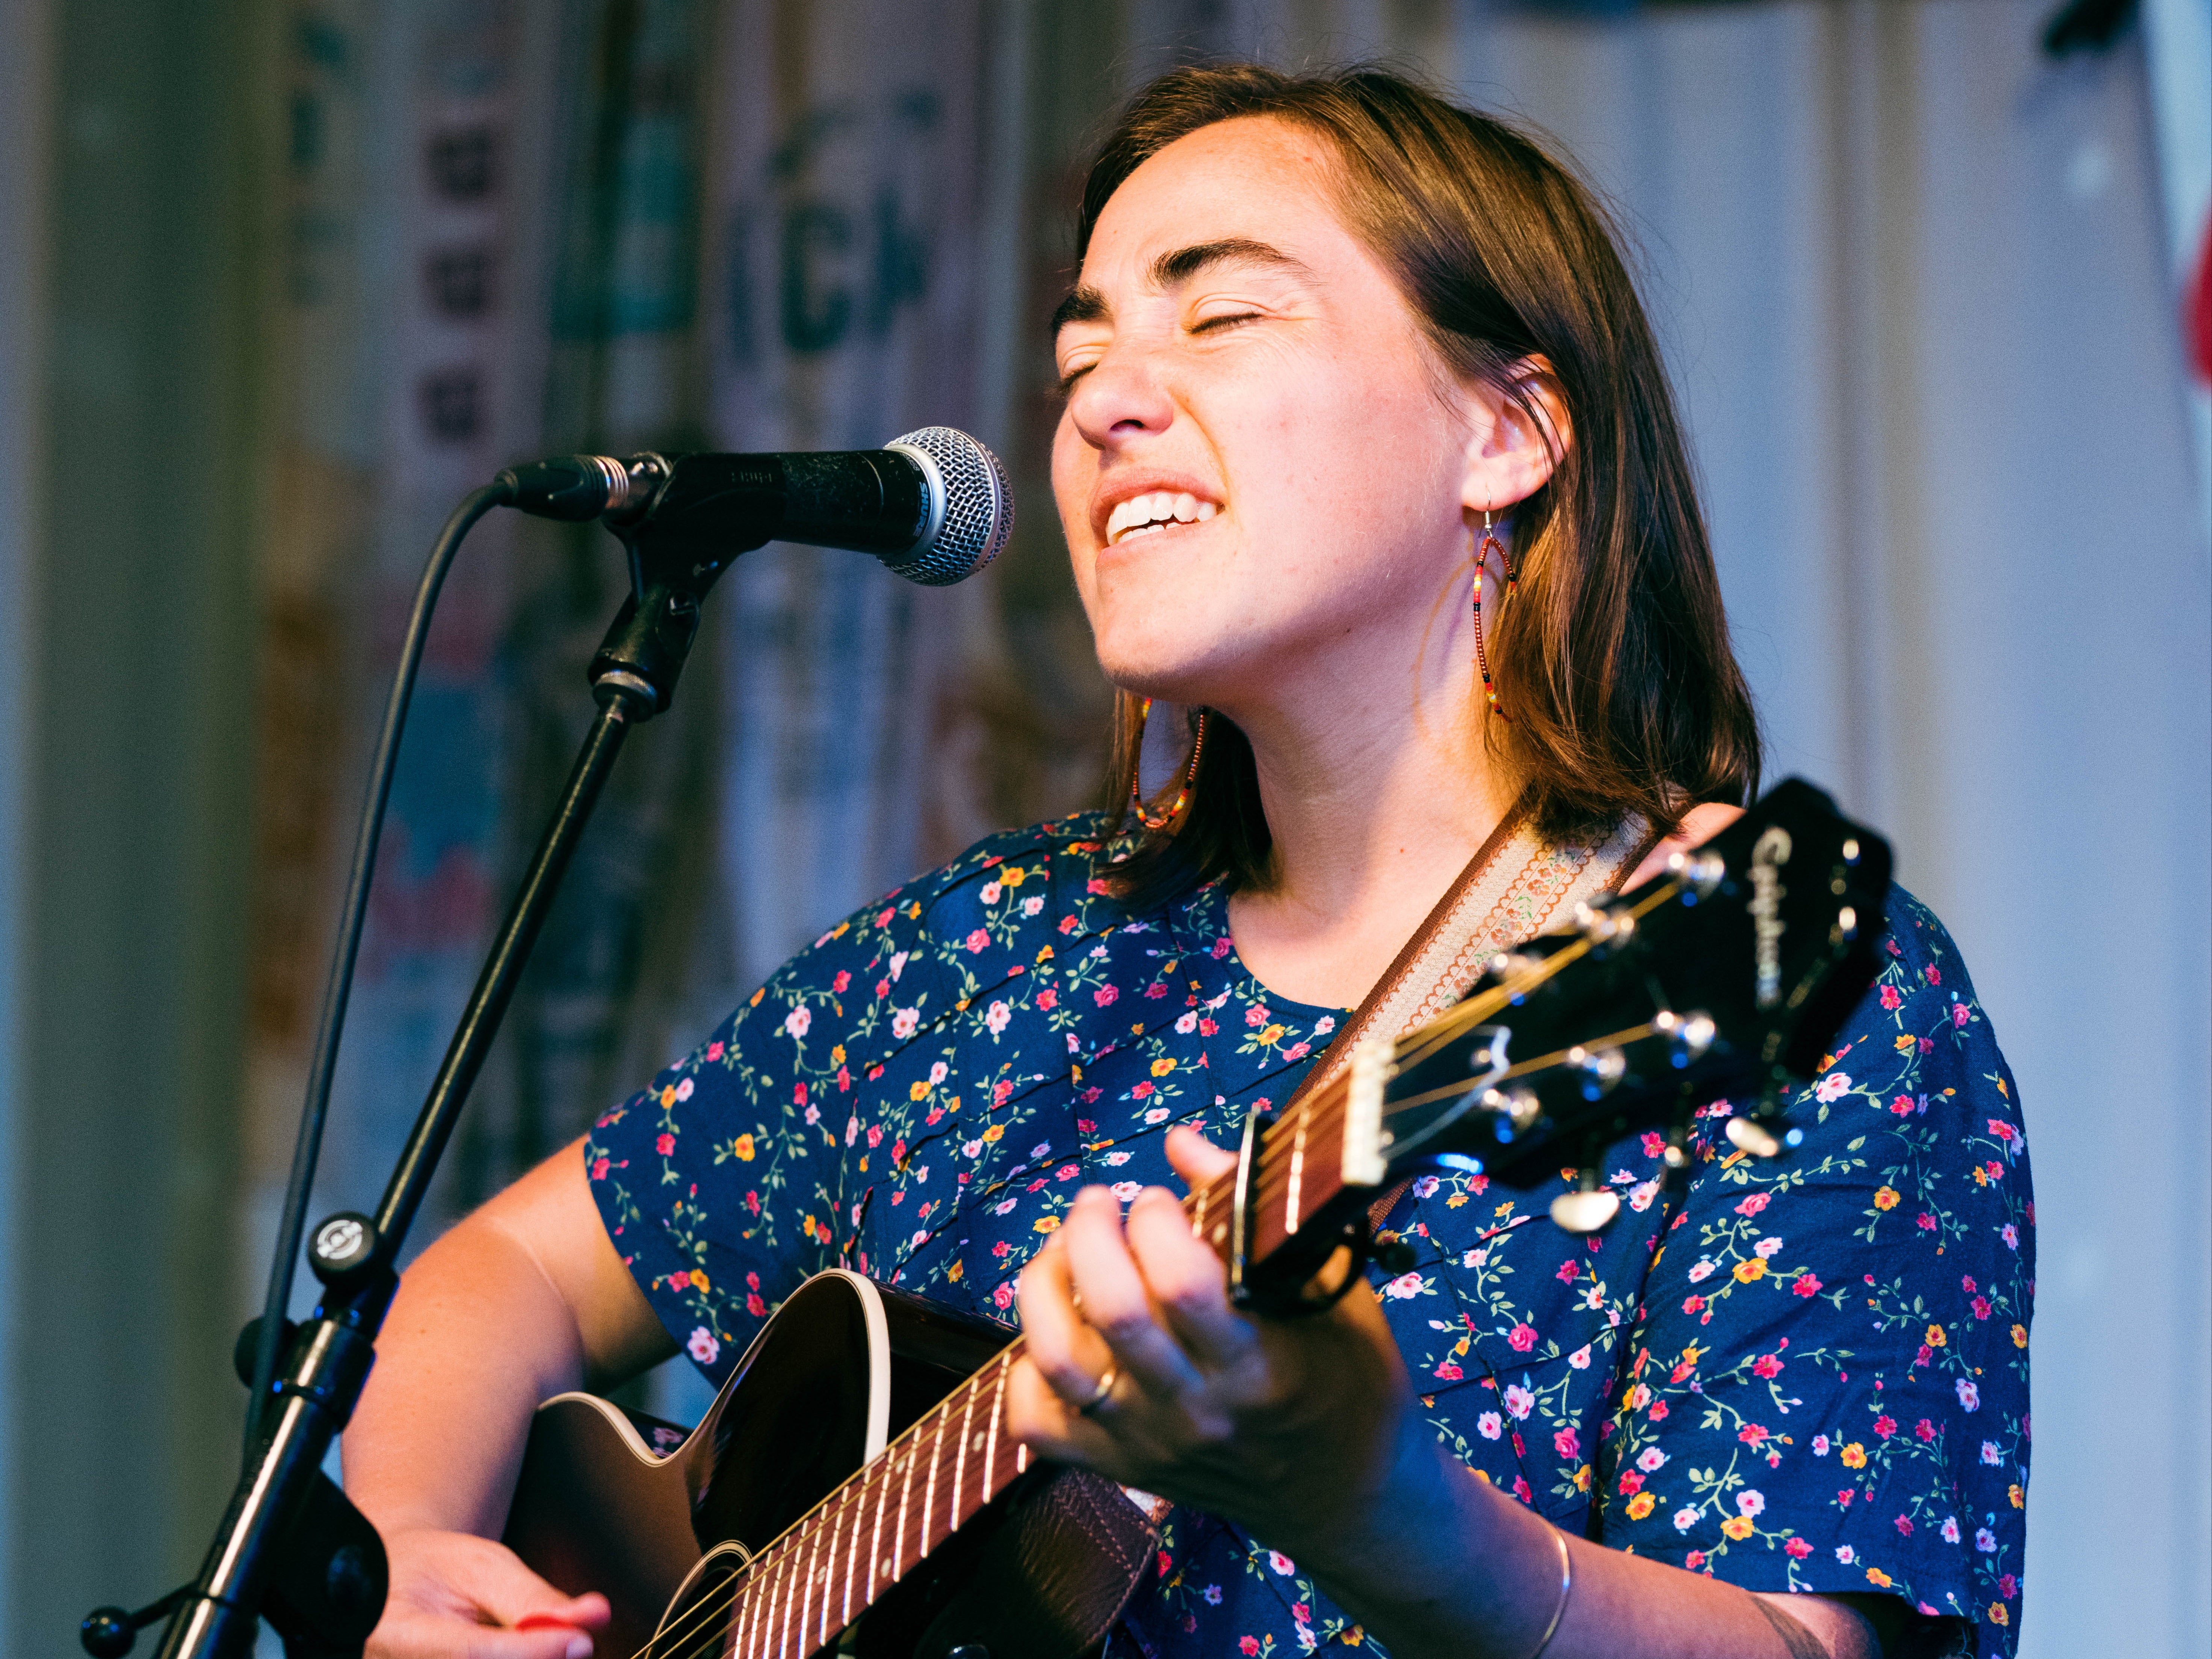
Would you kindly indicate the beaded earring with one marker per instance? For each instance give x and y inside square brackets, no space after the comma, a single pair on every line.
[1490,545]
[1189,777]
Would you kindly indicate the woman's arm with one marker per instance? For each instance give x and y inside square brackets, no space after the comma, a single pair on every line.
[1303,1433]
[524,1299]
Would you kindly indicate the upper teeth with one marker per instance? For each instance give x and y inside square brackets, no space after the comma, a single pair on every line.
[1157,511]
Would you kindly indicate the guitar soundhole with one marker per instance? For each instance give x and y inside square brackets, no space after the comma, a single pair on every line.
[702,1620]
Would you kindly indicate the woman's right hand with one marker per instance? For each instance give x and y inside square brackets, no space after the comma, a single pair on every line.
[454,1595]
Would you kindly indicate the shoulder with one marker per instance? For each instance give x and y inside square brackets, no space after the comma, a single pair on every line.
[933,944]
[1920,1018]
[1052,863]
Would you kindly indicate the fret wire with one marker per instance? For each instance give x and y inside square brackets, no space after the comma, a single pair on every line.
[740,1606]
[829,1577]
[763,1591]
[960,1466]
[875,1537]
[853,1549]
[930,1494]
[930,1476]
[794,1621]
[769,1562]
[795,1582]
[1291,1217]
[906,1492]
[752,1596]
[804,1602]
[997,1416]
[764,1638]
[757,1594]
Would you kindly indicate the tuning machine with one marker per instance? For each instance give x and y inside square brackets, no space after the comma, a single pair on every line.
[1587,1208]
[1687,1035]
[1515,1109]
[1598,1071]
[1604,926]
[1507,966]
[1763,1136]
[1698,873]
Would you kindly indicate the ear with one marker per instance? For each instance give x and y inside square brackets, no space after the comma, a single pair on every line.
[1509,456]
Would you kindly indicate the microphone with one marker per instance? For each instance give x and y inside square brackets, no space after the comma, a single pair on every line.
[933,505]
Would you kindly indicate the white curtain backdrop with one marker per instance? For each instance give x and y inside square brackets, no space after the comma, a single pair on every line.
[861,262]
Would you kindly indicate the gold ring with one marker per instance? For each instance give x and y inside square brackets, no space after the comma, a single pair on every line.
[1101,1394]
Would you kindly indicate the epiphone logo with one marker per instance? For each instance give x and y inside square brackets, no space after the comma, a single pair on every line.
[1768,855]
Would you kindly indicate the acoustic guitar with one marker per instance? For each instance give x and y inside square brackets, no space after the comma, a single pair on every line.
[852,1486]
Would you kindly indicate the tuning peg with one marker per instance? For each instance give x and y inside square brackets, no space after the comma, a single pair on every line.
[1517,1109]
[1586,1209]
[1756,1135]
[1600,1069]
[1688,1035]
[1601,926]
[1698,873]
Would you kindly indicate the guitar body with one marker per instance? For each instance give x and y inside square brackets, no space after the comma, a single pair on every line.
[660,1521]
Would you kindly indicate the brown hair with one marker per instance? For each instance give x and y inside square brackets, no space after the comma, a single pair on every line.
[1614,660]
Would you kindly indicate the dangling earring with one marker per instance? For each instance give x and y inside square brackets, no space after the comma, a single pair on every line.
[1189,778]
[1490,545]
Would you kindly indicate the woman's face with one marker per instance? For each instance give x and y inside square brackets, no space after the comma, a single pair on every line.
[1260,465]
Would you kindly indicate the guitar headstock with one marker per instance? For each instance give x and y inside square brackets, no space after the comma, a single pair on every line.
[1725,976]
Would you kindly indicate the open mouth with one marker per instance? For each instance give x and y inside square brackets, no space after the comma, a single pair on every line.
[1146,515]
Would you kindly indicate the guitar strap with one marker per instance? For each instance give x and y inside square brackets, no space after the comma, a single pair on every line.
[1082,1549]
[1516,886]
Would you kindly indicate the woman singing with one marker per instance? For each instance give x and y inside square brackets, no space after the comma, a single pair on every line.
[1368,455]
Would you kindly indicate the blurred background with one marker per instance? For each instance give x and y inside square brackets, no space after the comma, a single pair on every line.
[281,279]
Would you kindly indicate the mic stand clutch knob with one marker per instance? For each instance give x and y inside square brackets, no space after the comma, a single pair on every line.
[108,1632]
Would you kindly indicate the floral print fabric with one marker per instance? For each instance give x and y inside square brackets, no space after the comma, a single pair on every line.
[1808,1374]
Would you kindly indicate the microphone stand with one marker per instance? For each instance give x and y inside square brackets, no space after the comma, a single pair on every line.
[291,1548]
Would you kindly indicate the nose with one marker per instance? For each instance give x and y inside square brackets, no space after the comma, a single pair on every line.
[1121,398]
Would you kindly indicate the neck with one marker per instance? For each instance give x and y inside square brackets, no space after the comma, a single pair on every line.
[1376,799]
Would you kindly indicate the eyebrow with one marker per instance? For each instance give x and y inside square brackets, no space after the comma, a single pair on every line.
[1085,304]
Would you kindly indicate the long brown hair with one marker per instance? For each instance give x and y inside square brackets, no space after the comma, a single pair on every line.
[1613,660]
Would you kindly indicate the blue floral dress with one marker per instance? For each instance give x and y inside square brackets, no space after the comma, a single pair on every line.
[1804,1374]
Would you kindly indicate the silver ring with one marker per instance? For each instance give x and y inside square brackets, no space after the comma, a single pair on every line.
[1101,1394]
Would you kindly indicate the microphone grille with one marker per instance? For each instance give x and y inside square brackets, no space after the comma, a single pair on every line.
[978,510]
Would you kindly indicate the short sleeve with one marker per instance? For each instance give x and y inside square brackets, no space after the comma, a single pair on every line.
[1827,1388]
[741,1170]
[903,1067]
[718,1183]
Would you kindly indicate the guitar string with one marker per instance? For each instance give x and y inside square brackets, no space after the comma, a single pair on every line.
[1431,1039]
[1521,1068]
[772,1561]
[1323,1108]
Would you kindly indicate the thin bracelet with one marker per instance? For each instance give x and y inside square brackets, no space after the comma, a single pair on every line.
[1566,1586]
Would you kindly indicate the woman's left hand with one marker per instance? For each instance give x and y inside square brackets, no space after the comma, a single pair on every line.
[1299,1429]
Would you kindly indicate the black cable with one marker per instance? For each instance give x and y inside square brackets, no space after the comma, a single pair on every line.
[308,1148]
